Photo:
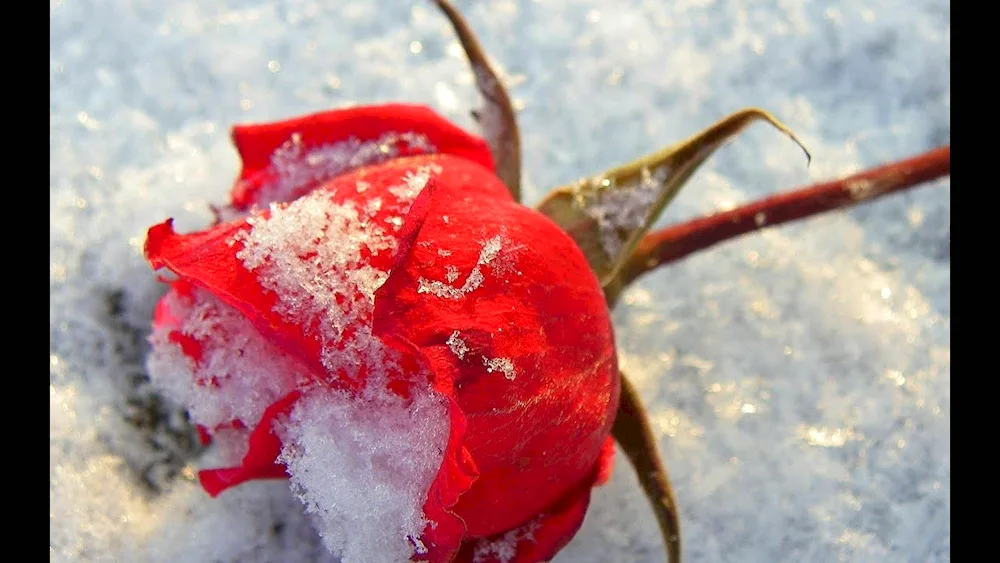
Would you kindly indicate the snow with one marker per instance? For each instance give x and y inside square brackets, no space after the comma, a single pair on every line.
[504,548]
[502,365]
[364,471]
[238,373]
[620,209]
[332,159]
[487,257]
[457,345]
[799,379]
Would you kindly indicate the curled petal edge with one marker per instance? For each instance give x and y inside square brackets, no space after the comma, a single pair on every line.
[259,461]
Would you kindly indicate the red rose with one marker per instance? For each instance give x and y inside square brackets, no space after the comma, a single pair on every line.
[430,362]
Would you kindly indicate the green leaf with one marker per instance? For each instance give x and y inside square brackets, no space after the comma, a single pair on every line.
[633,433]
[496,118]
[609,213]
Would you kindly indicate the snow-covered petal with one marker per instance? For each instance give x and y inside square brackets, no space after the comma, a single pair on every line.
[286,159]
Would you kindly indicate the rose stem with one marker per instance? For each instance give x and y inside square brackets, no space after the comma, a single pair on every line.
[672,243]
[632,432]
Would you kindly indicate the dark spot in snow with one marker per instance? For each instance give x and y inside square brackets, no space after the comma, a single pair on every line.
[159,439]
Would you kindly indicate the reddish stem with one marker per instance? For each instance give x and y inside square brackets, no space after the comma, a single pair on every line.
[677,241]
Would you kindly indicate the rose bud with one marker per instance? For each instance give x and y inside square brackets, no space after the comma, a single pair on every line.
[428,361]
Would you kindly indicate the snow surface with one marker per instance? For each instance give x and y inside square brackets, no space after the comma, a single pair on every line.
[799,378]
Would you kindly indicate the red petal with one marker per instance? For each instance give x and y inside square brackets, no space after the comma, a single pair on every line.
[162,315]
[259,462]
[204,436]
[259,145]
[536,541]
[189,345]
[208,260]
[606,462]
[535,432]
[443,536]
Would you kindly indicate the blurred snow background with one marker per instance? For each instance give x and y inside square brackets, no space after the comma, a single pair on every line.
[799,378]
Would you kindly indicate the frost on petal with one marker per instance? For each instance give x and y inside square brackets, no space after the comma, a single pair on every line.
[487,257]
[296,168]
[503,548]
[363,466]
[362,461]
[302,272]
[262,450]
[286,159]
[457,345]
[502,365]
[414,182]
